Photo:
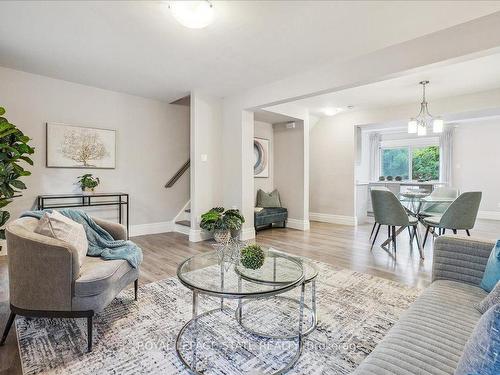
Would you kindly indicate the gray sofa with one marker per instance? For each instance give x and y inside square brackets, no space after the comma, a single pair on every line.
[431,335]
[46,278]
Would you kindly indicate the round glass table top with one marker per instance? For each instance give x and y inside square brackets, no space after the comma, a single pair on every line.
[207,274]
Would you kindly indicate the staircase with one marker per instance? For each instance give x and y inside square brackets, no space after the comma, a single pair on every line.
[183,220]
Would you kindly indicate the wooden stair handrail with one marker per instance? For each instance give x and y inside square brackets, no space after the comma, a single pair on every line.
[178,175]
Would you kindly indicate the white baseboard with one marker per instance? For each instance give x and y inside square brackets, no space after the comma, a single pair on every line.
[247,234]
[334,219]
[299,224]
[151,228]
[490,215]
[198,235]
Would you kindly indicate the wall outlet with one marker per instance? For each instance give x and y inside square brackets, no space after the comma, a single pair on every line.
[498,205]
[204,157]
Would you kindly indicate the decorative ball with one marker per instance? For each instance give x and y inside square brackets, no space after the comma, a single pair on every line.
[389,178]
[252,257]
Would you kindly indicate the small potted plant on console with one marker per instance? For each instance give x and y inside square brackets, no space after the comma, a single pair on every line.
[88,183]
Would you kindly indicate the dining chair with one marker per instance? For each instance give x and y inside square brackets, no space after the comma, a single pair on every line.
[460,215]
[435,209]
[388,210]
[375,223]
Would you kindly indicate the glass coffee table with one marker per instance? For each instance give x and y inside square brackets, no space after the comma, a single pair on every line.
[206,274]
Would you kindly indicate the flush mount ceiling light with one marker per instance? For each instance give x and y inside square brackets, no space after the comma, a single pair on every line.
[331,111]
[193,14]
[424,119]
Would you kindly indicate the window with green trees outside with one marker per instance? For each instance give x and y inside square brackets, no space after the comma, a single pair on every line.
[422,165]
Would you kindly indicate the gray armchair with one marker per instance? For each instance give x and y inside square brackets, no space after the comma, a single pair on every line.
[46,278]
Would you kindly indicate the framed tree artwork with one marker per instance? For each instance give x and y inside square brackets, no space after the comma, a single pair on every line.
[70,146]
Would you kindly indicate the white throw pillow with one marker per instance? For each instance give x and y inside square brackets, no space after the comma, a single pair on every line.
[58,226]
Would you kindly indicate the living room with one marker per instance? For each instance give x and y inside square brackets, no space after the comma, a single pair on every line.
[136,137]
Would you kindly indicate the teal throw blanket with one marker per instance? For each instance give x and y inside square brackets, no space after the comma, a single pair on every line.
[101,243]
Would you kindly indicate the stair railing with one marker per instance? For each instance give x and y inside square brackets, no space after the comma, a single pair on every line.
[178,174]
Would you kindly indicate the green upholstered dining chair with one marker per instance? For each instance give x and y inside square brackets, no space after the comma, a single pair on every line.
[375,223]
[436,209]
[460,215]
[388,210]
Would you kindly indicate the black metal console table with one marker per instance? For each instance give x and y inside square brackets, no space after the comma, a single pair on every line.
[87,200]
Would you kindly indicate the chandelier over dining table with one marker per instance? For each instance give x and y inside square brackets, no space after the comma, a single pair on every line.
[424,120]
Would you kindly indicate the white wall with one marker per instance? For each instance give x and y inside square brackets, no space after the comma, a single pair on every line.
[289,172]
[476,162]
[152,143]
[265,130]
[206,175]
[332,167]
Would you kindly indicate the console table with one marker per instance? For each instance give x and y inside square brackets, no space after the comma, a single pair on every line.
[87,200]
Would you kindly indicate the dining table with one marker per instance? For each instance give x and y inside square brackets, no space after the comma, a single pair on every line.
[414,202]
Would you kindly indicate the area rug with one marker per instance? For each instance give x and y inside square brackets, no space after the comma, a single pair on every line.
[355,311]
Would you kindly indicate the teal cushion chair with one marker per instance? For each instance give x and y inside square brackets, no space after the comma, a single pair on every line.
[272,212]
[460,215]
[388,210]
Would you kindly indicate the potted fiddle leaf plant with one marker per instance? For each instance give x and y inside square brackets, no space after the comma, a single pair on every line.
[14,151]
[88,182]
[222,223]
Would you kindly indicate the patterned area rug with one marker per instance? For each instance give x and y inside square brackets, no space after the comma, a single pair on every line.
[355,311]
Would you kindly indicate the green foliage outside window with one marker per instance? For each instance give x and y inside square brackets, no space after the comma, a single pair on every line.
[395,162]
[426,163]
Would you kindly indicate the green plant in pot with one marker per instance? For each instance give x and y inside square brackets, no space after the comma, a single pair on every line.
[14,149]
[252,257]
[88,182]
[222,223]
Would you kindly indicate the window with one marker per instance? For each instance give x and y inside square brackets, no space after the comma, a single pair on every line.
[419,162]
[395,162]
[425,163]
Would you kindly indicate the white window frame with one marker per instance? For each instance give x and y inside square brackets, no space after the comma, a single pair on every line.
[409,144]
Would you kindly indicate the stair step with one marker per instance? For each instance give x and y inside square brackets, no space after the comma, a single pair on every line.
[187,210]
[186,223]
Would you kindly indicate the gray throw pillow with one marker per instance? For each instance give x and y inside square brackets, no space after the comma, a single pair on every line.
[491,299]
[268,200]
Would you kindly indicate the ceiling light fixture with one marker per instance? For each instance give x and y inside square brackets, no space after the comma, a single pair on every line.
[423,120]
[193,14]
[331,111]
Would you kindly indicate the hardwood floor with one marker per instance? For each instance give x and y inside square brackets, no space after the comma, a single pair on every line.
[341,246]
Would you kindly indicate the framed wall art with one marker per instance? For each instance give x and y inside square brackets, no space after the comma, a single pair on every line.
[70,146]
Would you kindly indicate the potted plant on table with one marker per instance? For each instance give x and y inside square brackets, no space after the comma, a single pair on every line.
[222,223]
[88,182]
[252,257]
[14,149]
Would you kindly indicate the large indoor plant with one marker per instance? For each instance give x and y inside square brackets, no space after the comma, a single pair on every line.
[222,222]
[14,149]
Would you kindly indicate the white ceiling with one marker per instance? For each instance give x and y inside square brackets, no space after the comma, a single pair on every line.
[471,76]
[137,47]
